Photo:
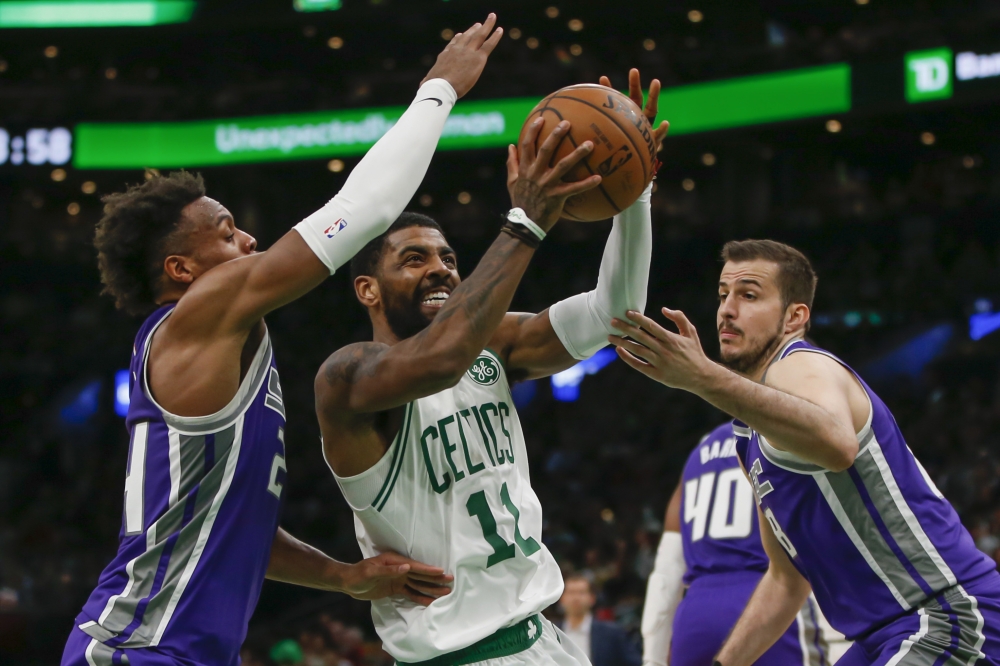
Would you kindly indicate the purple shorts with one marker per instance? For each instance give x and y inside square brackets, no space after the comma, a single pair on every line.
[959,626]
[710,609]
[82,650]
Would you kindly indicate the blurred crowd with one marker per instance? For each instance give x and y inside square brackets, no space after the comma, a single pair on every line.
[265,59]
[904,258]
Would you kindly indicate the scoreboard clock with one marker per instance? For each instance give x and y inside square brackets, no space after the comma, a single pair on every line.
[36,146]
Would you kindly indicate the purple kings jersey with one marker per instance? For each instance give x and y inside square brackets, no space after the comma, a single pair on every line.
[876,540]
[202,499]
[718,513]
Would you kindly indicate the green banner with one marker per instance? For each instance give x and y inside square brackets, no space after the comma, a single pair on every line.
[287,137]
[752,100]
[92,13]
[479,124]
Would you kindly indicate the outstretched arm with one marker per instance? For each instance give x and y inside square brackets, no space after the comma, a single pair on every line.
[232,297]
[663,591]
[772,607]
[576,328]
[385,575]
[810,413]
[372,377]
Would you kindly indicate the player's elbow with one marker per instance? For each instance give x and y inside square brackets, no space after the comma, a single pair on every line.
[841,452]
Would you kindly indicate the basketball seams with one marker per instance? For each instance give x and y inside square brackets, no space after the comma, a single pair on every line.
[645,167]
[541,111]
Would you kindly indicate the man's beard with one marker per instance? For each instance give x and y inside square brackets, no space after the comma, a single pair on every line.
[404,316]
[750,360]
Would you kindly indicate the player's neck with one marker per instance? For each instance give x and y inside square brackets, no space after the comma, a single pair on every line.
[170,292]
[758,373]
[384,335]
[382,332]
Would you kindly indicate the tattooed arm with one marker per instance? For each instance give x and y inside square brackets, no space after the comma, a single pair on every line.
[370,377]
[576,328]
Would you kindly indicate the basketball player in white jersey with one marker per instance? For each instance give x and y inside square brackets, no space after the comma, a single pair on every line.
[419,426]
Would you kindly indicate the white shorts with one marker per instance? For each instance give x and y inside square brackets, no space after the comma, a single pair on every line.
[554,648]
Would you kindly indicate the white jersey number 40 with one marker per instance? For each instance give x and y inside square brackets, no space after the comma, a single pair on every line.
[731,507]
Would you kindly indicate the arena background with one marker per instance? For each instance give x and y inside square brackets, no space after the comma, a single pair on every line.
[857,130]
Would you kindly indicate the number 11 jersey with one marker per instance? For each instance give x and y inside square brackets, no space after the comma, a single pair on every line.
[453,490]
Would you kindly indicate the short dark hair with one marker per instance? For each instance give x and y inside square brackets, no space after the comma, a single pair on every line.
[578,575]
[368,258]
[796,277]
[131,237]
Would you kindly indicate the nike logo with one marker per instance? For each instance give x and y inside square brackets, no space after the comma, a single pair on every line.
[431,99]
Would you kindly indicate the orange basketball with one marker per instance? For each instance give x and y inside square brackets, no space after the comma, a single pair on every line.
[623,153]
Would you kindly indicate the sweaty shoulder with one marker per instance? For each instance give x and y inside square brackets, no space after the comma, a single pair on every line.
[822,380]
[796,364]
[342,369]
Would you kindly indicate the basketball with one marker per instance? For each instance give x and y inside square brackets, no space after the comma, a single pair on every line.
[623,154]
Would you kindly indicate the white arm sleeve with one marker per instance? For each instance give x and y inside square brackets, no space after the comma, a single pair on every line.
[383,182]
[663,594]
[583,322]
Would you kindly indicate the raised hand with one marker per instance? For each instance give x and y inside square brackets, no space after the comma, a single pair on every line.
[673,359]
[389,574]
[462,61]
[536,187]
[651,106]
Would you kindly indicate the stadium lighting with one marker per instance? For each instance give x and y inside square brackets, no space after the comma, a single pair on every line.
[316,5]
[122,396]
[92,13]
[566,384]
[982,324]
[81,407]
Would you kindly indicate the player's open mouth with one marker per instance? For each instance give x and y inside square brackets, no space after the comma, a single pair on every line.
[435,299]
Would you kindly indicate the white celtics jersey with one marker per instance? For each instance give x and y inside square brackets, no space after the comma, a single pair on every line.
[453,491]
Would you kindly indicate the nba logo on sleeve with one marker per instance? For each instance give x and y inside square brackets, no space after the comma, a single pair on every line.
[335,228]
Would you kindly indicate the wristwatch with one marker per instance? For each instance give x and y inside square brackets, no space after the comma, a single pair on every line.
[519,217]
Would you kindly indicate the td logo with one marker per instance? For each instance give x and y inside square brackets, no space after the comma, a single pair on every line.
[928,75]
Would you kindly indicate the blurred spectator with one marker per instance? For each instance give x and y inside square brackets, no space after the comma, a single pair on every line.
[316,650]
[605,643]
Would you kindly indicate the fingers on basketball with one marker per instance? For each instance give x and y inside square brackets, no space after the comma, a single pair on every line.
[567,163]
[622,155]
[528,142]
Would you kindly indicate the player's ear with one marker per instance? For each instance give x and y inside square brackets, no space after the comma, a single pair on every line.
[366,288]
[797,318]
[178,268]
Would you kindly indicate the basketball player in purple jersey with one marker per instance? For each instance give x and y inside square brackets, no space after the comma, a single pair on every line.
[845,506]
[709,561]
[206,464]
